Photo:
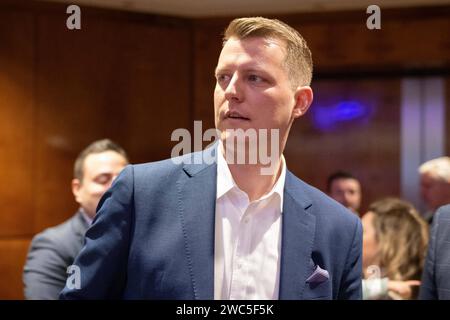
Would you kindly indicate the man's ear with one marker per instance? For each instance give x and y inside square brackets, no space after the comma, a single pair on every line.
[303,99]
[76,186]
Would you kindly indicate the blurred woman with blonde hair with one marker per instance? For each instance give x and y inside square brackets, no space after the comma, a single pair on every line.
[395,240]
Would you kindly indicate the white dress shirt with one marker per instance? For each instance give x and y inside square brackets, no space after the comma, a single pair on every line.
[247,239]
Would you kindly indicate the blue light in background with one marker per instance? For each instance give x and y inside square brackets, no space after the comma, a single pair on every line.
[328,118]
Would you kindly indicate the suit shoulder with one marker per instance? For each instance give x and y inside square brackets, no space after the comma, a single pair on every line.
[157,167]
[165,168]
[57,236]
[441,225]
[153,173]
[443,213]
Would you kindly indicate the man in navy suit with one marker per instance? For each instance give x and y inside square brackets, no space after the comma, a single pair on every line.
[208,226]
[436,275]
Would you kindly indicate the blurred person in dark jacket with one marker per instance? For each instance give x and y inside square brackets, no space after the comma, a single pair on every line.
[54,249]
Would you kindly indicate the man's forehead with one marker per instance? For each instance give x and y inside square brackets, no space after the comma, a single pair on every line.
[430,177]
[95,161]
[245,62]
[346,181]
[251,52]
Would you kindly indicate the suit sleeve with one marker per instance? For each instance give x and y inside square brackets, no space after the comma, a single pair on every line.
[351,283]
[428,289]
[102,263]
[44,274]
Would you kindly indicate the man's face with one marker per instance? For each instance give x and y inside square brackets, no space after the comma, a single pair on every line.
[253,89]
[347,192]
[99,170]
[435,192]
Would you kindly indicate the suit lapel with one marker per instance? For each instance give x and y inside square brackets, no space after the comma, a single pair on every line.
[197,195]
[298,229]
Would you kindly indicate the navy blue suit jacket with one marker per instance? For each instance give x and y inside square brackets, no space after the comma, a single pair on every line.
[153,238]
[436,274]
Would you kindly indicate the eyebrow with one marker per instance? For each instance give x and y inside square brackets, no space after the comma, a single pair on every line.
[217,69]
[255,70]
[103,174]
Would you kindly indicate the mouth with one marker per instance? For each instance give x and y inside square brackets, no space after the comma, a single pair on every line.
[235,115]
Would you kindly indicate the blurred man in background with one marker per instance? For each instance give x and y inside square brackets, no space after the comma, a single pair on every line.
[435,185]
[345,189]
[54,249]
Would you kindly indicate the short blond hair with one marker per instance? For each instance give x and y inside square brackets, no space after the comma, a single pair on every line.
[438,168]
[298,61]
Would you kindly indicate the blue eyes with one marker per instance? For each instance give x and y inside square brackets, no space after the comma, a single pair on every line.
[222,78]
[251,78]
[255,78]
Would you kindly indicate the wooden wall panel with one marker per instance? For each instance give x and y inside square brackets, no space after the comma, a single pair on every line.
[399,45]
[16,123]
[76,89]
[17,146]
[159,88]
[13,253]
[124,76]
[207,46]
[125,80]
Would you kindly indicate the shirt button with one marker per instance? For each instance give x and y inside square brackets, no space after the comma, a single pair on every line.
[246,220]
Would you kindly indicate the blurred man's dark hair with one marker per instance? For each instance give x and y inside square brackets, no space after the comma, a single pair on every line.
[338,175]
[98,146]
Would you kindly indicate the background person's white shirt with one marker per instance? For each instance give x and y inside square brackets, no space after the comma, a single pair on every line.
[247,239]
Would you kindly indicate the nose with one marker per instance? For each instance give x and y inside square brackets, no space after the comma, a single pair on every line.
[346,197]
[233,91]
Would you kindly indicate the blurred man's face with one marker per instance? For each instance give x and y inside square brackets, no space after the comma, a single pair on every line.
[347,192]
[253,89]
[435,192]
[370,243]
[99,171]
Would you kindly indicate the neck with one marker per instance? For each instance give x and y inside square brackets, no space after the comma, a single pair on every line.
[250,180]
[255,176]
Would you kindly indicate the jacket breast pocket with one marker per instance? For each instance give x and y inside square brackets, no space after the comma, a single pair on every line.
[321,291]
[318,284]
